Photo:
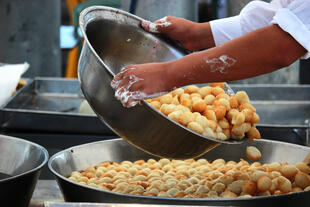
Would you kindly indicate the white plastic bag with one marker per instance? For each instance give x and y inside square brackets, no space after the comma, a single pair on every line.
[9,77]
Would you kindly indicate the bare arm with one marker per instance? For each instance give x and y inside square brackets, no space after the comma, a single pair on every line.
[261,51]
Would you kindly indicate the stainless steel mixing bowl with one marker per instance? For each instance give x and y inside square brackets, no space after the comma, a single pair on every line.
[81,157]
[20,165]
[113,39]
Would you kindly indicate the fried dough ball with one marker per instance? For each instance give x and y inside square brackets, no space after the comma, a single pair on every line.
[209,99]
[220,112]
[167,108]
[253,153]
[284,184]
[255,118]
[227,132]
[246,105]
[222,95]
[264,183]
[195,127]
[175,100]
[233,102]
[208,132]
[218,84]
[202,120]
[177,92]
[175,115]
[155,104]
[166,99]
[231,113]
[248,113]
[225,103]
[200,106]
[302,180]
[224,124]
[303,167]
[216,91]
[187,102]
[186,118]
[238,118]
[289,171]
[184,96]
[249,187]
[191,89]
[241,96]
[253,133]
[204,91]
[210,114]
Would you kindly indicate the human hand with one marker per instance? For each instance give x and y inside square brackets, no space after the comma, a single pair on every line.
[137,82]
[176,28]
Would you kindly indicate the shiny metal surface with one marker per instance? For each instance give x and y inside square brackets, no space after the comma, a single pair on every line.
[83,156]
[113,39]
[50,105]
[22,160]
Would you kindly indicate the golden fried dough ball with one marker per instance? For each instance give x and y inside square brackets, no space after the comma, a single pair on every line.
[202,120]
[225,103]
[249,187]
[195,127]
[209,99]
[233,102]
[187,103]
[248,113]
[186,118]
[264,183]
[184,96]
[231,113]
[210,114]
[218,84]
[155,104]
[177,92]
[246,105]
[192,95]
[236,186]
[222,95]
[175,115]
[303,167]
[223,123]
[216,91]
[208,132]
[284,184]
[182,108]
[204,91]
[191,89]
[200,106]
[166,99]
[238,118]
[167,108]
[289,171]
[255,119]
[302,180]
[241,96]
[253,133]
[253,153]
[175,100]
[220,112]
[227,132]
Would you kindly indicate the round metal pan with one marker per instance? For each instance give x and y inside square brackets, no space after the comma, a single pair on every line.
[114,39]
[83,156]
[22,161]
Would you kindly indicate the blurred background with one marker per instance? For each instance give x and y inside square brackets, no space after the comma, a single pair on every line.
[45,33]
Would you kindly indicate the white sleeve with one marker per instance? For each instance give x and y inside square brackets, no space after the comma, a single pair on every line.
[295,20]
[254,15]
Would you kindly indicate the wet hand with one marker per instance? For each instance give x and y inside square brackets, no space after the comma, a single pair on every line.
[176,28]
[137,82]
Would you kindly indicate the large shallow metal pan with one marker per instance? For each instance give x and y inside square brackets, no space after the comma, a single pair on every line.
[83,156]
[113,39]
[20,165]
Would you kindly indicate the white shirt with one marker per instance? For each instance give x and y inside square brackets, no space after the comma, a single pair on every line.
[293,16]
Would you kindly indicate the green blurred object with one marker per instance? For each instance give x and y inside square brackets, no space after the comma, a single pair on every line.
[80,7]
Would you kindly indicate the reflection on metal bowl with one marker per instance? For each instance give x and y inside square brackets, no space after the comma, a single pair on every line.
[20,165]
[105,51]
[80,157]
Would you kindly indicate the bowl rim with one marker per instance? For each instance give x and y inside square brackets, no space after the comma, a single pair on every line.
[43,162]
[255,198]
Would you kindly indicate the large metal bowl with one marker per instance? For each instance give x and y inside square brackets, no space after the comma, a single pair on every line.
[83,156]
[113,39]
[22,161]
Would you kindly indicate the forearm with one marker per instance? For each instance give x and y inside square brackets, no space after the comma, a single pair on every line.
[201,37]
[261,51]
